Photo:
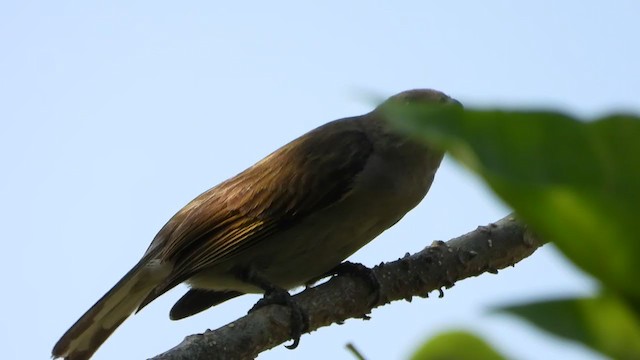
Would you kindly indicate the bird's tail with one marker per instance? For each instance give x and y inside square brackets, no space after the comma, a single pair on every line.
[82,340]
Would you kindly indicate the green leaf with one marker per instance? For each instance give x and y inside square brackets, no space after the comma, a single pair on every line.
[576,183]
[605,323]
[456,345]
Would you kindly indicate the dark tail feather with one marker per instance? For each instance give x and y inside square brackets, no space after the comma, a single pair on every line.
[100,321]
[197,300]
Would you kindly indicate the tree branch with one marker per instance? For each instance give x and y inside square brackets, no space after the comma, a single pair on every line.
[486,249]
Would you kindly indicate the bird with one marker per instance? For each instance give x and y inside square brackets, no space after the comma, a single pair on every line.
[290,218]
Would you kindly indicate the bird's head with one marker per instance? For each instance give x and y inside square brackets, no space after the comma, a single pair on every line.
[401,112]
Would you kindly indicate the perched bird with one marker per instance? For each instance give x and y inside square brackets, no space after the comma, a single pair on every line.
[290,218]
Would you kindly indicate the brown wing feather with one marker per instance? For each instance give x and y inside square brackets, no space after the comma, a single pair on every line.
[308,174]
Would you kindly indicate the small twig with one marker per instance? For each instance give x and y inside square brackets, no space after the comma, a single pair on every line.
[352,349]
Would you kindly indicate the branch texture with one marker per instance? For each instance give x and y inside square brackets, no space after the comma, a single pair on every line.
[486,249]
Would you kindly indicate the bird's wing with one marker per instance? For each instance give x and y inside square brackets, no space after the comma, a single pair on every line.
[308,174]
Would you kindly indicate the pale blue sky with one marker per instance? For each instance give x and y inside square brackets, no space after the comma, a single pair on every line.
[115,114]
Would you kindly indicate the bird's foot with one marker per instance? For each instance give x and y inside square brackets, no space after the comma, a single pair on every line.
[299,318]
[363,272]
